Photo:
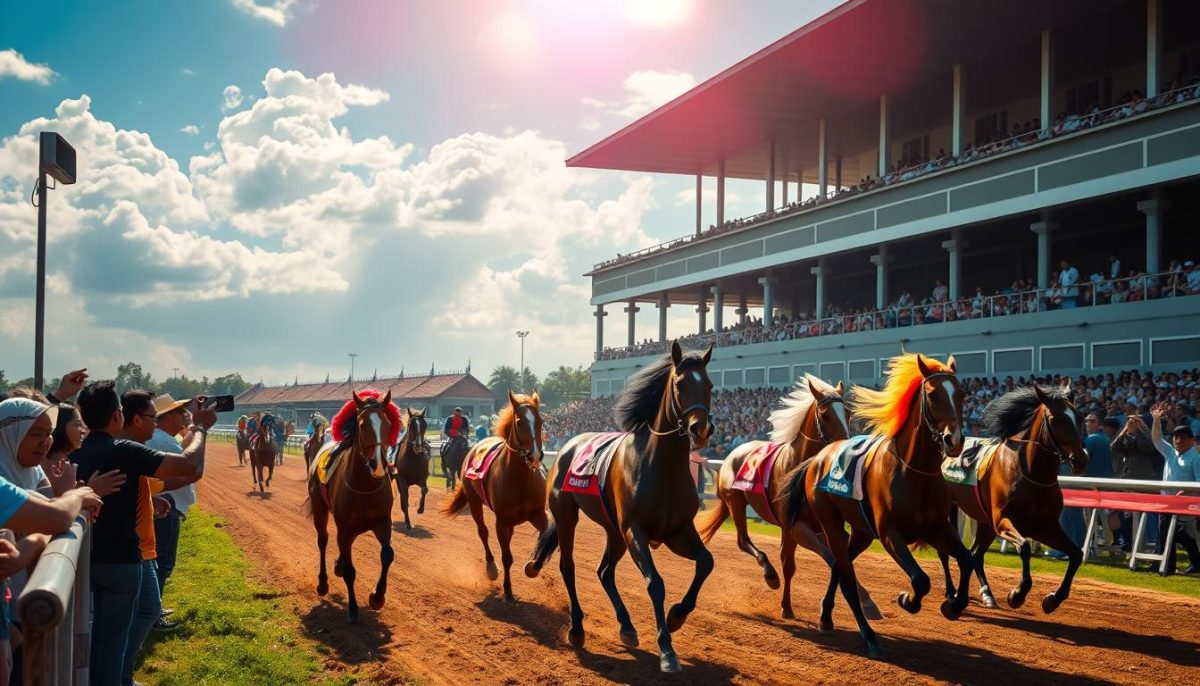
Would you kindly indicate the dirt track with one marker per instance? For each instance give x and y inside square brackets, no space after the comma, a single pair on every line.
[445,623]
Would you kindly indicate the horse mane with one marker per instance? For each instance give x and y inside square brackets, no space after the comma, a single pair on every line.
[793,407]
[887,410]
[638,403]
[1013,412]
[505,419]
[345,425]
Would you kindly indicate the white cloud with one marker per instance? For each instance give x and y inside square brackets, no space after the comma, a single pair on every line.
[191,130]
[14,64]
[277,12]
[644,91]
[589,123]
[187,72]
[232,96]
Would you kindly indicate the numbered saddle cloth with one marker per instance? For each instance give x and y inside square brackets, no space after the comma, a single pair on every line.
[844,477]
[965,469]
[754,476]
[589,466]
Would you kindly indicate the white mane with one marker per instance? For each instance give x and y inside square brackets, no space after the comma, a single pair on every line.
[787,418]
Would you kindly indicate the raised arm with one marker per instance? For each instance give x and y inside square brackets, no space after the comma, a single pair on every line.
[189,466]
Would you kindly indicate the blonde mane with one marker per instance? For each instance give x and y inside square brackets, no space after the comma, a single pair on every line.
[788,417]
[886,411]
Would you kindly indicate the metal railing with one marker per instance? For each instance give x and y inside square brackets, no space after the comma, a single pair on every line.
[55,610]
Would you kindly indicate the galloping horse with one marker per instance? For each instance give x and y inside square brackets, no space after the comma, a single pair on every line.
[243,446]
[641,491]
[412,463]
[262,456]
[513,487]
[904,500]
[357,490]
[811,416]
[313,444]
[453,451]
[1029,432]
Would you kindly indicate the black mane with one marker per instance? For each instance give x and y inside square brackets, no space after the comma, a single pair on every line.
[639,401]
[1013,412]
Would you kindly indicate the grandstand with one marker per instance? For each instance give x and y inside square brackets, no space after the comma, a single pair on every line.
[926,167]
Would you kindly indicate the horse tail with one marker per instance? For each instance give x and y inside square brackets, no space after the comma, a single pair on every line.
[457,501]
[796,491]
[712,520]
[306,507]
[546,545]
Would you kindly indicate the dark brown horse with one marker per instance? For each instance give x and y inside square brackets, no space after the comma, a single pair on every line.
[513,488]
[914,420]
[358,491]
[262,456]
[809,418]
[412,462]
[243,446]
[453,452]
[648,496]
[313,444]
[1028,433]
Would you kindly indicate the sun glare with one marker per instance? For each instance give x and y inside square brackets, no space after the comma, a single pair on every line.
[656,13]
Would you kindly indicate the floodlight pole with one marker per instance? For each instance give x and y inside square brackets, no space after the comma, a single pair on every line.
[521,371]
[39,325]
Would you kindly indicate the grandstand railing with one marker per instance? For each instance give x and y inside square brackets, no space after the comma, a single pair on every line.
[55,610]
[1071,124]
[1082,294]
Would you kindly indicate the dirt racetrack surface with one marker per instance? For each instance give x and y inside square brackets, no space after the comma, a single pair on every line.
[445,623]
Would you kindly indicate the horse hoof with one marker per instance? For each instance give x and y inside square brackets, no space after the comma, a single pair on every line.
[826,625]
[1015,599]
[421,510]
[576,639]
[667,662]
[408,526]
[322,587]
[629,639]
[531,569]
[772,580]
[509,599]
[375,602]
[874,652]
[675,618]
[907,604]
[949,611]
[1050,603]
[492,572]
[871,611]
[988,600]
[788,613]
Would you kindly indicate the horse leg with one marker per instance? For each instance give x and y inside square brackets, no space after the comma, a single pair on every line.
[787,559]
[321,522]
[944,558]
[424,492]
[402,484]
[842,571]
[1008,532]
[1056,538]
[983,540]
[614,550]
[344,567]
[804,535]
[481,528]
[947,541]
[504,534]
[383,532]
[897,547]
[859,542]
[687,544]
[271,471]
[639,547]
[566,518]
[737,507]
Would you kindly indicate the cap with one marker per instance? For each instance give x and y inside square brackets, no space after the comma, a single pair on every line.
[458,409]
[1183,429]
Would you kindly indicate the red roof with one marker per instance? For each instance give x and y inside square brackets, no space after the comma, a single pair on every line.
[402,388]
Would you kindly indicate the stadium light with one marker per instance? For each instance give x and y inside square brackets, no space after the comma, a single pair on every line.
[56,158]
[521,371]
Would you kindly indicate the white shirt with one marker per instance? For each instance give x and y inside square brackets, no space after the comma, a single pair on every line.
[1068,278]
[184,497]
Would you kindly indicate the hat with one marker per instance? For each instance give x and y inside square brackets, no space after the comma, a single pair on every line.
[1183,429]
[458,409]
[1189,263]
[165,403]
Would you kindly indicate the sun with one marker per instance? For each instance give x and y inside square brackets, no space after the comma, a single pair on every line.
[656,13]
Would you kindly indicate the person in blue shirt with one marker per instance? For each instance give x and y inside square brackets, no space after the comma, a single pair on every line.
[1096,444]
[481,431]
[1182,464]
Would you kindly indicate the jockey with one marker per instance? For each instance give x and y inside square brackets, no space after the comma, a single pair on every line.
[252,424]
[457,425]
[241,425]
[267,425]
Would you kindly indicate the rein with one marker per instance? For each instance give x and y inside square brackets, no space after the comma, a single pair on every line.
[926,411]
[1033,445]
[824,402]
[680,415]
[525,454]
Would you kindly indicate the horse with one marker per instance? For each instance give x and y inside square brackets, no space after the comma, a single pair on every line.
[243,446]
[513,487]
[913,420]
[453,452]
[1028,433]
[645,494]
[809,418]
[262,456]
[358,491]
[412,463]
[313,444]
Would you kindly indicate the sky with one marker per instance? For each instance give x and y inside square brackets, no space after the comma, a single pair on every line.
[265,186]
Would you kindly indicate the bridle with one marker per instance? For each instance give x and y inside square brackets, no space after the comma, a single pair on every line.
[927,410]
[414,441]
[1034,444]
[680,415]
[370,406]
[526,454]
[827,401]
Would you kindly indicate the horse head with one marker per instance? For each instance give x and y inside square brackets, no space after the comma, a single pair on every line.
[831,419]
[691,395]
[1060,429]
[373,430]
[414,433]
[524,435]
[941,405]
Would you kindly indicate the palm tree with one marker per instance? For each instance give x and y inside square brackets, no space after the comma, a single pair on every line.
[503,379]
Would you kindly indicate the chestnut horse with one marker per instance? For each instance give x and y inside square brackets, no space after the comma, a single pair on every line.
[809,418]
[916,417]
[513,488]
[262,456]
[412,463]
[358,491]
[649,499]
[1029,432]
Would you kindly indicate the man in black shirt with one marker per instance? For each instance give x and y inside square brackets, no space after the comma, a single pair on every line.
[116,560]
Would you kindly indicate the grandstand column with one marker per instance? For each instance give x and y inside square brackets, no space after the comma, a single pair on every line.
[960,107]
[720,192]
[768,285]
[837,173]
[784,175]
[1153,47]
[820,271]
[600,315]
[955,246]
[1047,93]
[885,138]
[718,299]
[702,309]
[632,309]
[1153,209]
[699,200]
[822,160]
[742,310]
[664,302]
[881,260]
[770,174]
[1044,230]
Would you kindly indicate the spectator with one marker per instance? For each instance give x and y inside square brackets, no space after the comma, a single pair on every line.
[1182,464]
[1114,267]
[1068,280]
[1097,447]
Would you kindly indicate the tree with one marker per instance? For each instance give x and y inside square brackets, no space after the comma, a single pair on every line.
[564,385]
[3,381]
[529,381]
[230,384]
[181,387]
[131,375]
[503,379]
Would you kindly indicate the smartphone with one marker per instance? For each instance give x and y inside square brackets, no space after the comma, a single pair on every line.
[219,403]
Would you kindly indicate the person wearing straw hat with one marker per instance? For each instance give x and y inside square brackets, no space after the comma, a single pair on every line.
[171,423]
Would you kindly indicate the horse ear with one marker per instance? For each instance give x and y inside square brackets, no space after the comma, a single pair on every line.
[1066,386]
[387,398]
[512,399]
[676,353]
[537,399]
[841,388]
[951,365]
[410,412]
[925,370]
[812,389]
[424,410]
[358,402]
[1041,395]
[708,354]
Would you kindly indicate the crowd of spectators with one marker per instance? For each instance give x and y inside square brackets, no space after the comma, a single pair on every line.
[1109,283]
[129,463]
[1022,135]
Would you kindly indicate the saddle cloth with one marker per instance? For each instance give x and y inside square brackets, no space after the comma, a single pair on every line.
[844,477]
[589,466]
[965,469]
[754,476]
[477,466]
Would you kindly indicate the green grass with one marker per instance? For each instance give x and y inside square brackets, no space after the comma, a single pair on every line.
[231,629]
[1110,570]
